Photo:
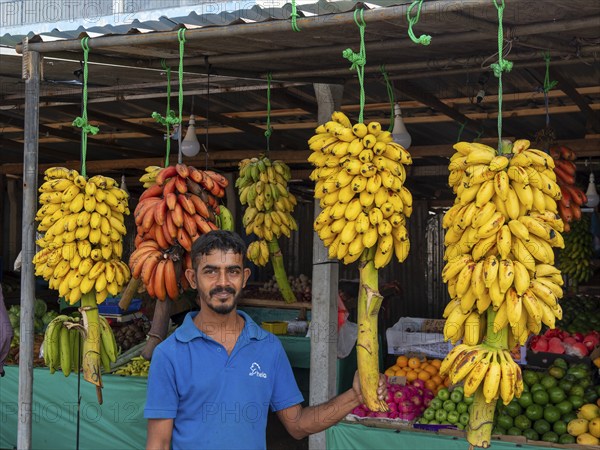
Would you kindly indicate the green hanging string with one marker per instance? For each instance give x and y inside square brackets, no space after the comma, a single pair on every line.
[82,121]
[269,130]
[460,131]
[359,60]
[170,119]
[294,17]
[548,85]
[390,91]
[424,39]
[181,37]
[502,65]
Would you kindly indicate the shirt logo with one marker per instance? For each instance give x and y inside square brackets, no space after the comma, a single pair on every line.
[255,371]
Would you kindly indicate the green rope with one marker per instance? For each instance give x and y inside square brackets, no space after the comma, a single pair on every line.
[269,130]
[548,85]
[424,39]
[501,66]
[170,119]
[294,16]
[359,60]
[460,130]
[181,37]
[390,91]
[82,121]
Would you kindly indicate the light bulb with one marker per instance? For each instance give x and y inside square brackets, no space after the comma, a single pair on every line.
[592,194]
[190,145]
[400,134]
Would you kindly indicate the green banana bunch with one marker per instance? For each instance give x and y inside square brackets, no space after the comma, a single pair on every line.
[574,259]
[149,177]
[137,367]
[82,221]
[108,344]
[360,174]
[61,346]
[225,219]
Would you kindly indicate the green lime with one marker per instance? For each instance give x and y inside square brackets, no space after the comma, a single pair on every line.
[536,387]
[468,400]
[534,412]
[557,372]
[548,381]
[551,413]
[525,399]
[498,430]
[460,426]
[566,385]
[590,395]
[522,422]
[530,377]
[441,415]
[504,421]
[513,431]
[462,407]
[513,409]
[566,438]
[541,397]
[531,434]
[559,362]
[569,416]
[541,426]
[577,390]
[564,407]
[433,422]
[423,421]
[556,395]
[576,401]
[559,427]
[550,436]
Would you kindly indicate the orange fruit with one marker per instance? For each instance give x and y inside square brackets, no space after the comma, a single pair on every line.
[436,363]
[390,372]
[413,363]
[431,369]
[437,380]
[424,375]
[431,385]
[447,381]
[402,361]
[400,373]
[411,375]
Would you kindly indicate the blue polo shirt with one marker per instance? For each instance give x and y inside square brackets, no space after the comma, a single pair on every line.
[219,401]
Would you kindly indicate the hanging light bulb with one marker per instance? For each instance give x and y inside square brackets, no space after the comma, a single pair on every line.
[190,145]
[592,194]
[123,184]
[400,134]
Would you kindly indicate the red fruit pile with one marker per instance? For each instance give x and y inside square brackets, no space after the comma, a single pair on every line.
[170,216]
[569,206]
[562,342]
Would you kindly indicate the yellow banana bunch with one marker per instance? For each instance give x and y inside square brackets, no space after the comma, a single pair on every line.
[499,240]
[359,180]
[149,177]
[258,252]
[82,221]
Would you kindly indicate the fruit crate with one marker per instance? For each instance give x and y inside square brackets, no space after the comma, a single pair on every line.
[111,306]
[545,359]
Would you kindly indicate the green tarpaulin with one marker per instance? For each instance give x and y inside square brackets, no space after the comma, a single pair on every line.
[347,436]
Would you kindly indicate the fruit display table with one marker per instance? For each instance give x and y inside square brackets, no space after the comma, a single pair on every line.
[350,436]
[117,423]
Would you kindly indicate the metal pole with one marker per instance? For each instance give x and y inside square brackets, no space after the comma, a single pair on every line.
[323,325]
[30,162]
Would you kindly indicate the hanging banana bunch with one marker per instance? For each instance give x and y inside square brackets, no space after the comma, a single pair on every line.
[262,185]
[360,177]
[500,271]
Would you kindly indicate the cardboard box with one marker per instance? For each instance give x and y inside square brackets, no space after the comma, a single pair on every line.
[275,327]
[545,359]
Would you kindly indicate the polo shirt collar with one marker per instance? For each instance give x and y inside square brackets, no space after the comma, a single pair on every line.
[189,331]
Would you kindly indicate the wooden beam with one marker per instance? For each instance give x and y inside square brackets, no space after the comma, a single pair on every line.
[593,118]
[49,154]
[110,119]
[432,101]
[585,148]
[17,120]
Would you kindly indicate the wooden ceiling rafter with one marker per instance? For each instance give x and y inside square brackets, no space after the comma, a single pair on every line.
[593,117]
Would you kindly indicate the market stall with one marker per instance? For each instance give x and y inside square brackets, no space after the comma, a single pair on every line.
[364,186]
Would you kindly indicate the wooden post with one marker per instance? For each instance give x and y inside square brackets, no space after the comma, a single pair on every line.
[30,161]
[323,325]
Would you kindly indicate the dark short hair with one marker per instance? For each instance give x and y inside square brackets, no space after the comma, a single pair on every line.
[217,240]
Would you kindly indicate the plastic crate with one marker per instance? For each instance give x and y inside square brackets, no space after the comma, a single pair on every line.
[275,327]
[111,306]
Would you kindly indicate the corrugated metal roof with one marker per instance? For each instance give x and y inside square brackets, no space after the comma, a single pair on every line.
[194,20]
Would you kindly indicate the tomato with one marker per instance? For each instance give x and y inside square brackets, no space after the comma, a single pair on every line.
[551,414]
[541,426]
[522,422]
[534,412]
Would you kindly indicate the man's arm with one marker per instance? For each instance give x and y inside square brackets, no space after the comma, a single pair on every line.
[159,434]
[301,422]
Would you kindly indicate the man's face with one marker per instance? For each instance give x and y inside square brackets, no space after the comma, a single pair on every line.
[219,280]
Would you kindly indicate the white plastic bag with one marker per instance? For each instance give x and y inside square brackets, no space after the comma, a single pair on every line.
[347,335]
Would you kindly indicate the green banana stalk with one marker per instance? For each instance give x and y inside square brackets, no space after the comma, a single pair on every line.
[280,275]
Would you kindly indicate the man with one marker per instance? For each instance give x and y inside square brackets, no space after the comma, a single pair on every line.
[6,333]
[211,383]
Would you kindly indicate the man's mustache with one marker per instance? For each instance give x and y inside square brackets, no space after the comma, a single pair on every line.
[218,290]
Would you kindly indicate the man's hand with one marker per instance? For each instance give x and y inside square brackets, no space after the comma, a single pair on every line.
[381,388]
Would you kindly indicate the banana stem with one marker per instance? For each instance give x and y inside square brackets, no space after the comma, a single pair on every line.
[496,340]
[280,276]
[91,342]
[481,420]
[367,345]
